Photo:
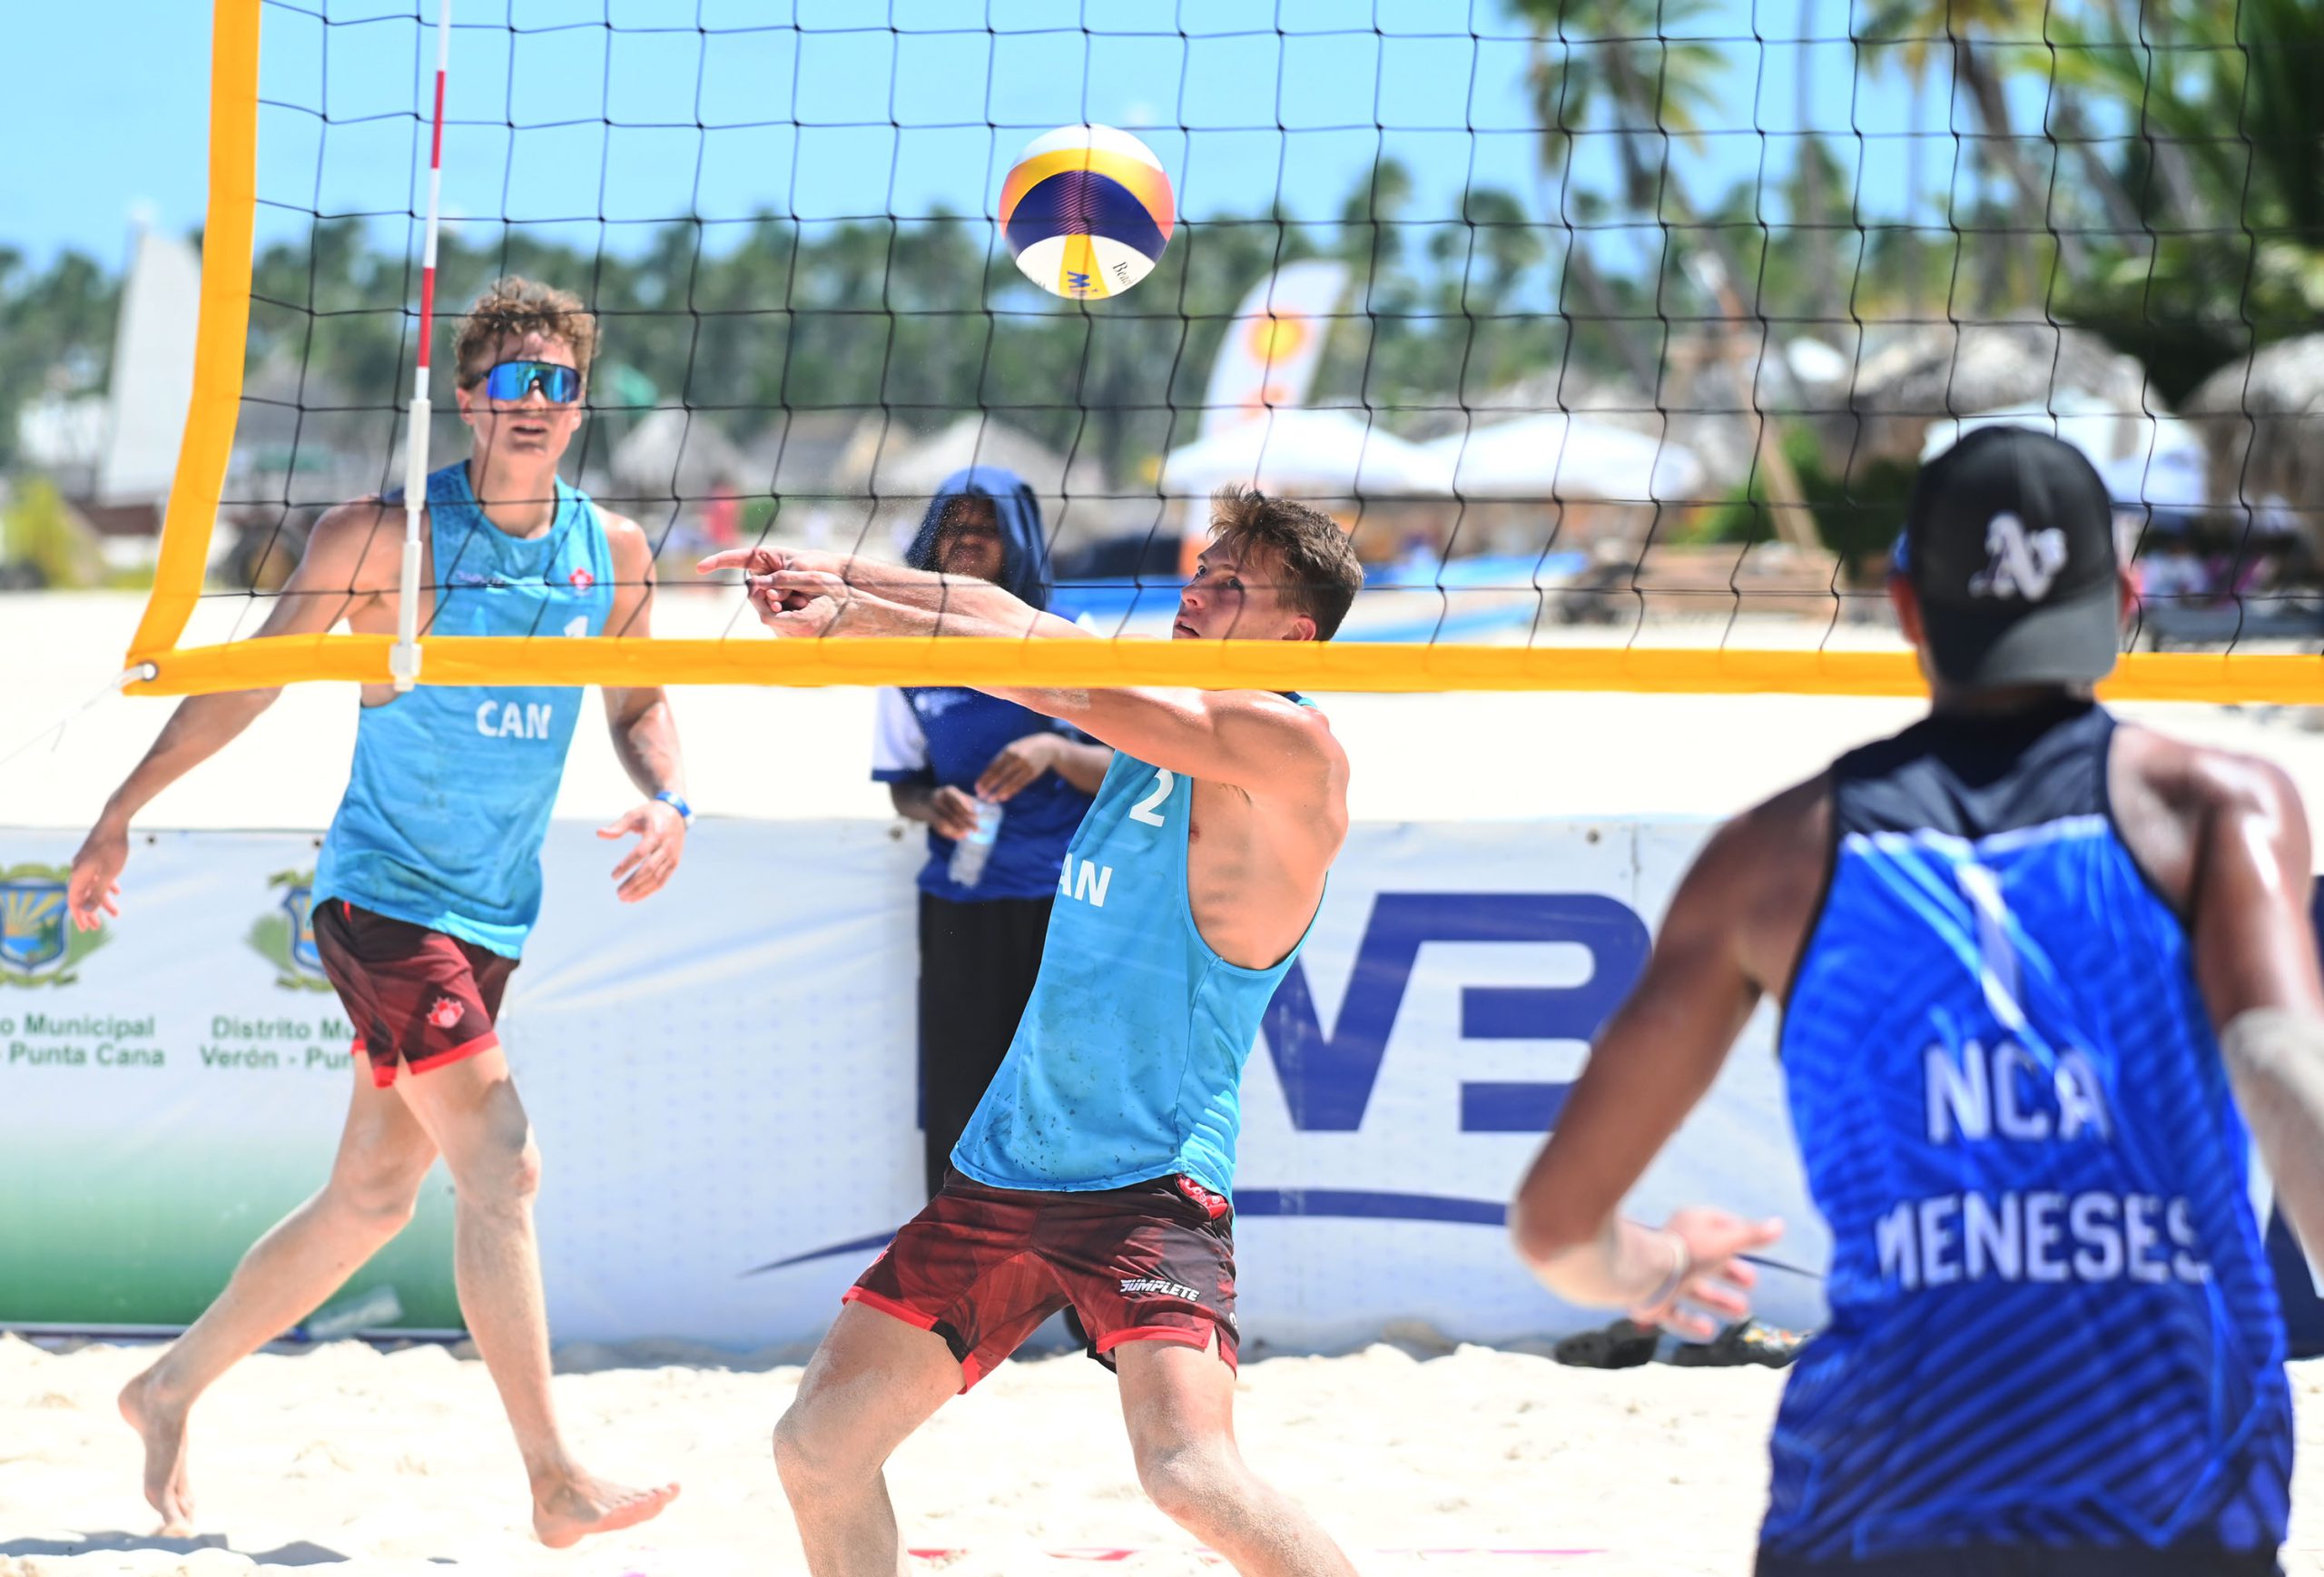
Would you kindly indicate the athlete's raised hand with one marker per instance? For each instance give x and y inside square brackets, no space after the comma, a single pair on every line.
[1708,1275]
[661,841]
[96,876]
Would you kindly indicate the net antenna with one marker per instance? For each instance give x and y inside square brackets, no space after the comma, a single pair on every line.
[403,657]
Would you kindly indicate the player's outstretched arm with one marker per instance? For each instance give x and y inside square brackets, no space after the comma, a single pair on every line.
[1265,745]
[335,574]
[2255,959]
[804,592]
[1651,1064]
[645,731]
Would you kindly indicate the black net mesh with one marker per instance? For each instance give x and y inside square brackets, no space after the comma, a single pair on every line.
[1635,316]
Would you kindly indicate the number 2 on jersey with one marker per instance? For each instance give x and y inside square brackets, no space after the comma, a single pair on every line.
[1144,810]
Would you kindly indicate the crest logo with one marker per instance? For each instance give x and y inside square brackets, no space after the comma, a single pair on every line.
[2023,563]
[581,579]
[446,1012]
[38,943]
[284,936]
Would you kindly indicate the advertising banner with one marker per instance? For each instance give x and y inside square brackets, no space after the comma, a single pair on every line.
[721,1080]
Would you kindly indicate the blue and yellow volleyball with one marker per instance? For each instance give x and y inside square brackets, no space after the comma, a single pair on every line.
[1087,212]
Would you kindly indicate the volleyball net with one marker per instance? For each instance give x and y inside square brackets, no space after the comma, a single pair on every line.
[1612,332]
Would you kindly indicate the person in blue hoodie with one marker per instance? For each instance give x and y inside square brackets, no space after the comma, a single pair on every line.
[940,750]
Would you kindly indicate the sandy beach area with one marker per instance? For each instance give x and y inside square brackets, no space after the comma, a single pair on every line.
[350,1461]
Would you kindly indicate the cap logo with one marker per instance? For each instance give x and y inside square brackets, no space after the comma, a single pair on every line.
[2023,563]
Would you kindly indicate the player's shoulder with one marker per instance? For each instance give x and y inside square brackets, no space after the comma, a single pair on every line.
[359,531]
[2197,782]
[1782,841]
[1299,717]
[1305,732]
[625,540]
[1793,825]
[622,532]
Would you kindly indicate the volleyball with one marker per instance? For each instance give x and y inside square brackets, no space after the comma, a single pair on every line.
[1086,211]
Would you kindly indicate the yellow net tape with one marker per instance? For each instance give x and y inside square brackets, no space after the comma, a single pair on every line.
[1217,664]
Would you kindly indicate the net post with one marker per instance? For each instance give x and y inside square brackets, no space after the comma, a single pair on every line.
[403,658]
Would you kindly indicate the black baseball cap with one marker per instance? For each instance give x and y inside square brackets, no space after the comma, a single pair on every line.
[2009,542]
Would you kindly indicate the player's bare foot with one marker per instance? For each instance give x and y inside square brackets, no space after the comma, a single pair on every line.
[162,1427]
[571,1511]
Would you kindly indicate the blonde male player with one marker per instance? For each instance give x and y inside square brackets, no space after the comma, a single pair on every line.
[429,882]
[1094,1174]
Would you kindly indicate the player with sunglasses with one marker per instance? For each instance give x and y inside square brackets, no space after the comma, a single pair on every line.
[430,881]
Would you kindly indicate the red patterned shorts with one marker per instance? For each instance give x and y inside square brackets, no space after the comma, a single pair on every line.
[418,999]
[983,1267]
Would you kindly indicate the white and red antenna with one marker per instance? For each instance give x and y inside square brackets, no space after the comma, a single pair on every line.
[403,658]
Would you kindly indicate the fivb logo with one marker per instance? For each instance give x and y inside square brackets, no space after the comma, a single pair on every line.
[1328,1079]
[2024,563]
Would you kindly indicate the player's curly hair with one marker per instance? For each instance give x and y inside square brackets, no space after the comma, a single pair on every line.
[1319,573]
[517,306]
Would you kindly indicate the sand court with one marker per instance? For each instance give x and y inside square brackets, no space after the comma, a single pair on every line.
[344,1461]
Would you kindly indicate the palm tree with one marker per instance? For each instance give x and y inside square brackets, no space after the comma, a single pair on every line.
[2227,128]
[1979,35]
[1585,65]
[1812,207]
[1617,62]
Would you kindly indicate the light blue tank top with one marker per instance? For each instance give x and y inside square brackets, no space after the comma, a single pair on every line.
[449,796]
[1128,1064]
[2053,1321]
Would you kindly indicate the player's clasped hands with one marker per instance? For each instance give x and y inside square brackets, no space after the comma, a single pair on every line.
[797,592]
[1713,1282]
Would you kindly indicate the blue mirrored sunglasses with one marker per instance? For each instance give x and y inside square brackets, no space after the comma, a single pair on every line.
[513,381]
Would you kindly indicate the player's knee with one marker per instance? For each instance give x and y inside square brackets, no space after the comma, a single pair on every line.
[500,1175]
[380,1191]
[1194,1483]
[804,1455]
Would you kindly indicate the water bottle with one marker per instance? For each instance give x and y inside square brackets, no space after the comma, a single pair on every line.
[970,853]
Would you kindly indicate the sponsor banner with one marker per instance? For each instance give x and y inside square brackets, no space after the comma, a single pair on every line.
[722,1081]
[172,1083]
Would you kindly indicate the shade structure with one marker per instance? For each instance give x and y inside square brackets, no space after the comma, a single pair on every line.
[1336,454]
[2170,480]
[1554,455]
[2106,432]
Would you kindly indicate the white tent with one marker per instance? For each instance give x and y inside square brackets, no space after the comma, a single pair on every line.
[1331,454]
[2098,428]
[1556,454]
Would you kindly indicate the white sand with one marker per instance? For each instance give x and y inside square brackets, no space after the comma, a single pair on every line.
[366,1464]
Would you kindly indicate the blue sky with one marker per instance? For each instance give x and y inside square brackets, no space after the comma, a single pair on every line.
[798,116]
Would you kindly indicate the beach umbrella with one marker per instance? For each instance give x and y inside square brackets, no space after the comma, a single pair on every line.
[1952,369]
[1331,453]
[1555,455]
[2109,435]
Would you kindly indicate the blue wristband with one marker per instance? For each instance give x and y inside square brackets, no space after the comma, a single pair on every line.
[685,811]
